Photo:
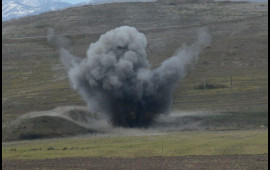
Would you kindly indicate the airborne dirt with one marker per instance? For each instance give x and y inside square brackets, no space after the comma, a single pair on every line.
[76,120]
[116,77]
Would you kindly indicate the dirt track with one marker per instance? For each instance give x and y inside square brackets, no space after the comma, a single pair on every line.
[185,162]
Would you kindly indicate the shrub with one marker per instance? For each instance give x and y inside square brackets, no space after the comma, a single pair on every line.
[210,86]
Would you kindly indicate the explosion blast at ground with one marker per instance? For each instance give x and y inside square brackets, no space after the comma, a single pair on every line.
[116,78]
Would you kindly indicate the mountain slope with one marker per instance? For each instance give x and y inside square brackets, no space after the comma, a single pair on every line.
[33,78]
[96,2]
[19,8]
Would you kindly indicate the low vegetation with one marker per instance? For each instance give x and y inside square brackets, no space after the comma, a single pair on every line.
[173,144]
[41,127]
[205,86]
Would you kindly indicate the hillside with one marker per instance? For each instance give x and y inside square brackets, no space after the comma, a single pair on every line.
[33,78]
[18,8]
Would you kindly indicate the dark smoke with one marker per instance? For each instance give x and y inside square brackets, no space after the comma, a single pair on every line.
[116,78]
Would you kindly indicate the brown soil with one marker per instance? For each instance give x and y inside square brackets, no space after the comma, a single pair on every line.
[185,162]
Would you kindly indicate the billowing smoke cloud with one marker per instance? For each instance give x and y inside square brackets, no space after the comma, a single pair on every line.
[116,78]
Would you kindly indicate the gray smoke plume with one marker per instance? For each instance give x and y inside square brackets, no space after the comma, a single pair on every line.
[116,78]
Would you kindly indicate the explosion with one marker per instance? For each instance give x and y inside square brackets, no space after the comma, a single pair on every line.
[116,78]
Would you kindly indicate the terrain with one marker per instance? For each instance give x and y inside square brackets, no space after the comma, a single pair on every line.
[188,162]
[34,79]
[224,97]
[12,9]
[239,149]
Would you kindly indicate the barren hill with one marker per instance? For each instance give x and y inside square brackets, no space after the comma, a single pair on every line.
[34,79]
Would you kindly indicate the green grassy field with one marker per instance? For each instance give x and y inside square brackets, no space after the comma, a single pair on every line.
[173,144]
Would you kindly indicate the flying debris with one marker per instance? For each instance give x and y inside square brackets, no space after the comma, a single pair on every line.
[116,78]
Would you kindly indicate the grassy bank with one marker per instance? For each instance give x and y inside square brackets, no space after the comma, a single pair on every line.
[174,144]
